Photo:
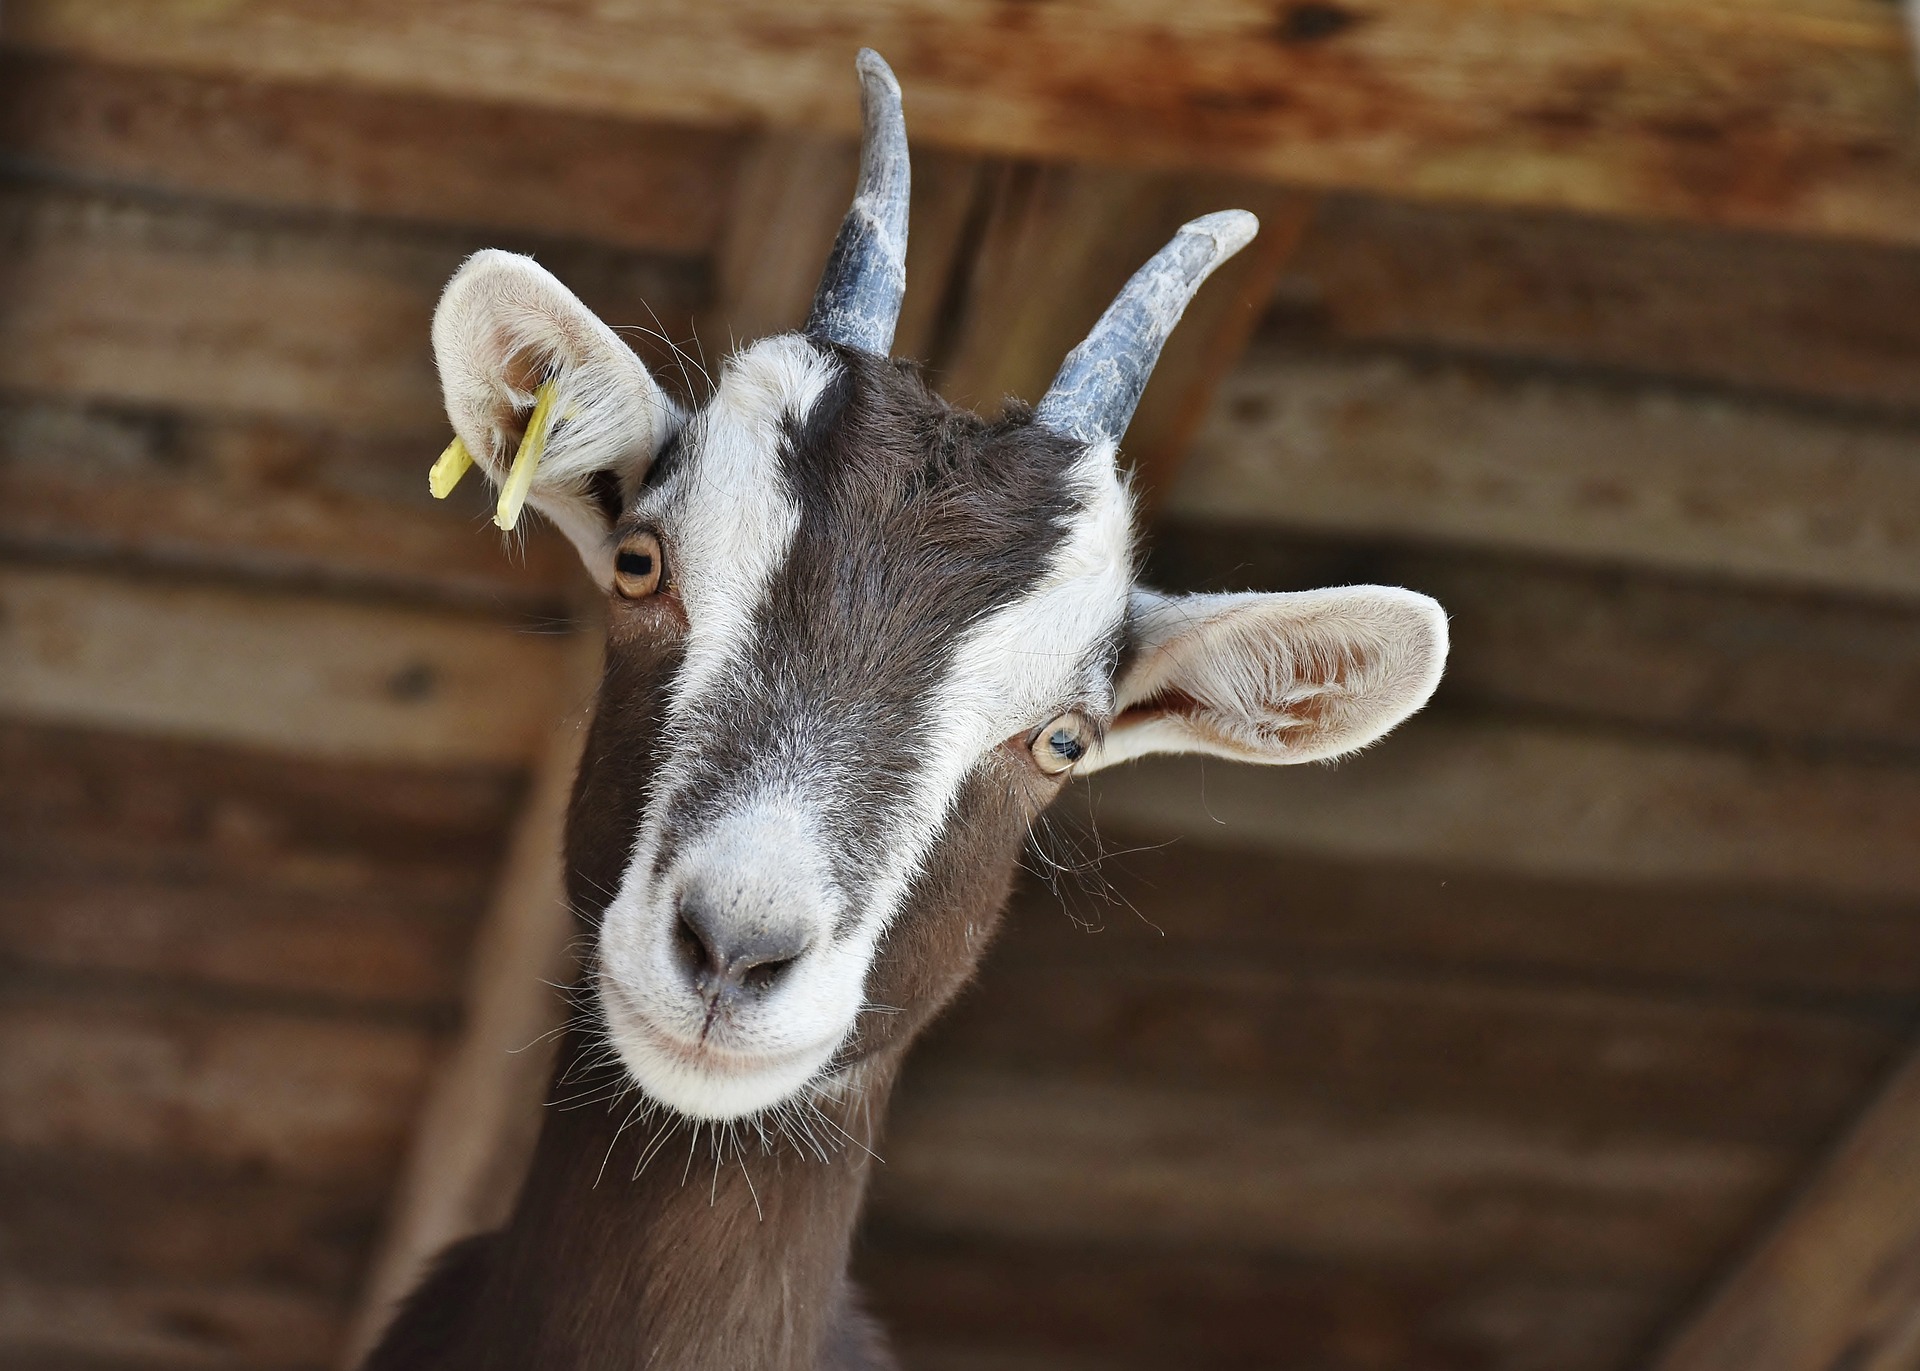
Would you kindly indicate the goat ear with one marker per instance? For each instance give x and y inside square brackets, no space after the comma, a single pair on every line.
[1297,677]
[504,327]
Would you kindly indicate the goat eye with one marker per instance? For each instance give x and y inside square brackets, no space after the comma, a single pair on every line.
[1061,743]
[637,566]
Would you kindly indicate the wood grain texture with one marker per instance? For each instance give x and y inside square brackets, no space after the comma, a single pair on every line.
[1031,1156]
[1762,311]
[1372,1042]
[1056,244]
[1479,794]
[132,299]
[1195,898]
[1837,1283]
[1788,113]
[299,673]
[1698,656]
[383,949]
[368,152]
[305,1097]
[163,1323]
[1076,1304]
[76,1216]
[108,802]
[476,1131]
[1645,475]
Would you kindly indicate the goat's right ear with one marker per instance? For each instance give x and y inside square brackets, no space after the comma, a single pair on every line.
[504,329]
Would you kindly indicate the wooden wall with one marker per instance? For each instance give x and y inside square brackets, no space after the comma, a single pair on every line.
[1494,1049]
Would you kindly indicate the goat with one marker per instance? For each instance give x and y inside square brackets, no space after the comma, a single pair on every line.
[858,640]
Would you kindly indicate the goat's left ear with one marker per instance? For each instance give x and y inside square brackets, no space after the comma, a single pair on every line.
[506,332]
[1297,677]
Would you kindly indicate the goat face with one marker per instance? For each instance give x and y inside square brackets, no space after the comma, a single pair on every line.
[859,639]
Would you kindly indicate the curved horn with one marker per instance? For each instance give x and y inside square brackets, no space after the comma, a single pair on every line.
[858,301]
[1098,387]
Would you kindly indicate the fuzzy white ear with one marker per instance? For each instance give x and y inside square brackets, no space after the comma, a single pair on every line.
[1297,677]
[503,327]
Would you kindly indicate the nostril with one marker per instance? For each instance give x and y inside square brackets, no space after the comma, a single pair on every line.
[718,956]
[695,949]
[765,975]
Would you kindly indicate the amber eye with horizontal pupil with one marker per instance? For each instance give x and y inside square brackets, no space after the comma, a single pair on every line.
[1061,743]
[636,566]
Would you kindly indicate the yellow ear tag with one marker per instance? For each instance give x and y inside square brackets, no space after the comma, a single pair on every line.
[449,469]
[520,477]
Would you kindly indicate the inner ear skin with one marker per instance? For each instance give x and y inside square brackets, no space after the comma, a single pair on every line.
[936,940]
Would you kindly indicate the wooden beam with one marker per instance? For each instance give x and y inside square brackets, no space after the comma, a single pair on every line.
[1481,794]
[1778,116]
[293,673]
[191,1327]
[395,156]
[1687,656]
[792,191]
[477,1129]
[152,302]
[1049,1158]
[1133,1308]
[1837,1282]
[1725,941]
[313,1097]
[299,539]
[1241,1015]
[1636,298]
[1056,245]
[1646,475]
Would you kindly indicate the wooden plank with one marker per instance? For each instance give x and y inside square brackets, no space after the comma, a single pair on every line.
[385,951]
[1794,113]
[792,192]
[1193,899]
[1837,1283]
[291,672]
[1050,1159]
[48,1323]
[1072,1304]
[1371,1042]
[293,539]
[80,1217]
[658,189]
[260,500]
[476,1131]
[152,302]
[322,1099]
[1056,245]
[1687,655]
[1532,798]
[1797,315]
[1638,475]
[127,806]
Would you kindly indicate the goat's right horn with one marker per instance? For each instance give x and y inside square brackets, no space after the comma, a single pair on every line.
[858,302]
[1098,387]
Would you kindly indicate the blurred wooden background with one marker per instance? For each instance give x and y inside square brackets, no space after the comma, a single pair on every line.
[1563,1033]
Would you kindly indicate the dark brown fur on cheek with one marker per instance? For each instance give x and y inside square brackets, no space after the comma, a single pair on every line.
[935,942]
[644,651]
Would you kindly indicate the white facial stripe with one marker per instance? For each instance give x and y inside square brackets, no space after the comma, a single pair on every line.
[1014,669]
[734,519]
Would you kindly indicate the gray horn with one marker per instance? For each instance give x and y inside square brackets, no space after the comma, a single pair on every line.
[860,292]
[1099,385]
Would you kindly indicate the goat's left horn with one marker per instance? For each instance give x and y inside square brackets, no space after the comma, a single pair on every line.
[858,302]
[1098,387]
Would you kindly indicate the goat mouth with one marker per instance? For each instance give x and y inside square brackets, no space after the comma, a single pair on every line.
[701,1053]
